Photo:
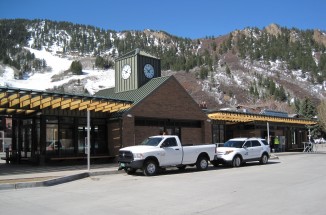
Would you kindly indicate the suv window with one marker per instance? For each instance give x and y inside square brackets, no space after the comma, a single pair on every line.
[233,143]
[247,144]
[255,143]
[264,142]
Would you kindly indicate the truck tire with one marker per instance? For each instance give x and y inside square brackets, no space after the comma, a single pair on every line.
[236,162]
[150,168]
[130,171]
[202,163]
[263,159]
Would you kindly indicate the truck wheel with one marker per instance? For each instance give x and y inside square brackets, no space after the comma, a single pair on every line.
[130,171]
[202,163]
[150,168]
[236,162]
[263,159]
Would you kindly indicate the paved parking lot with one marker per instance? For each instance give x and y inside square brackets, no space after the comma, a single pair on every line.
[294,184]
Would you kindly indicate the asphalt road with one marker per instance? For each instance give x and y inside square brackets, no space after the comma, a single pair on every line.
[294,184]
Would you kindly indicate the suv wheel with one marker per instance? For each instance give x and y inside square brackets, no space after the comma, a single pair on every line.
[263,159]
[236,162]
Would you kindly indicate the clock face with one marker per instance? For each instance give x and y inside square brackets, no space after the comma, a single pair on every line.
[126,71]
[149,71]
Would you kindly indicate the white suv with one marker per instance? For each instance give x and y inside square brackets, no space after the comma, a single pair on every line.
[238,151]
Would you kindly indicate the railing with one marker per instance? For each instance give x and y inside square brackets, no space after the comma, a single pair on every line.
[314,147]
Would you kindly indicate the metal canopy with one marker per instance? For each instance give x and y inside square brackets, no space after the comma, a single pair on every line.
[245,117]
[23,101]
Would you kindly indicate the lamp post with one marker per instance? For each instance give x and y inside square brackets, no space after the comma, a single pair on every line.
[88,141]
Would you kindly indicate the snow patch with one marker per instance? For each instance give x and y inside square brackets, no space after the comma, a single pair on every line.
[95,79]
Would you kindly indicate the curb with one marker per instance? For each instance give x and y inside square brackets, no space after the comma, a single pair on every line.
[55,181]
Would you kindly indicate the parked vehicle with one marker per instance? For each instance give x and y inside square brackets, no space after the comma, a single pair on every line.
[158,152]
[238,151]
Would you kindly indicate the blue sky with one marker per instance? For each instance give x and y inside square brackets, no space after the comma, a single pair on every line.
[184,18]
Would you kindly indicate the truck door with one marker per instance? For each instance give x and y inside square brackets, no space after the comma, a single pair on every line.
[172,152]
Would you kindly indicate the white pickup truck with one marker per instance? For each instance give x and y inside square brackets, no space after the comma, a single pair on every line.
[159,152]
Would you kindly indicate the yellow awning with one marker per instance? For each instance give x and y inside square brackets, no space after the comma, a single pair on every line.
[245,117]
[23,101]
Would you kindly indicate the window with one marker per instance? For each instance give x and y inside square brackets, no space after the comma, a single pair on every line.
[233,143]
[248,144]
[152,141]
[170,142]
[66,138]
[52,143]
[255,143]
[264,142]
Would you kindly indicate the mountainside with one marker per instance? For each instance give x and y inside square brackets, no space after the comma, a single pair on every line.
[272,68]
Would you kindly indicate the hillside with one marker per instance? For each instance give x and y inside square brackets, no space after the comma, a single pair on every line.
[273,68]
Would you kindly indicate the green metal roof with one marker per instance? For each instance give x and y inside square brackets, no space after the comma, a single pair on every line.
[134,95]
[135,52]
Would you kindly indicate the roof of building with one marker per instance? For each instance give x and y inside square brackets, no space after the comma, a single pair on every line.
[231,116]
[25,101]
[135,52]
[134,95]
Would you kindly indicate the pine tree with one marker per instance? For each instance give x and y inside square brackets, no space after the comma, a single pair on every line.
[307,109]
[76,67]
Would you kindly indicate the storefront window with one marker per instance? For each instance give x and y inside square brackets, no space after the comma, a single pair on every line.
[66,139]
[62,139]
[99,140]
[52,143]
[82,135]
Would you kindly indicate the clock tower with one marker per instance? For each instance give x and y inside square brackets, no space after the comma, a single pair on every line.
[135,69]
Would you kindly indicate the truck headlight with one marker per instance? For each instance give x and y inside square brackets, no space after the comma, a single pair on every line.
[138,156]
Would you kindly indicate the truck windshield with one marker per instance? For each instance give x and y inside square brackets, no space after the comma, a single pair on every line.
[152,141]
[235,144]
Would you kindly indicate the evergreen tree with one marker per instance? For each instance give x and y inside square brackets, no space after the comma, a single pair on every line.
[76,67]
[307,109]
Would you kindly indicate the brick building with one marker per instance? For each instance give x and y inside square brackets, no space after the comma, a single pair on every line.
[160,104]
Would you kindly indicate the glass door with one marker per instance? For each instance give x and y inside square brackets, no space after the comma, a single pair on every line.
[26,141]
[82,139]
[52,141]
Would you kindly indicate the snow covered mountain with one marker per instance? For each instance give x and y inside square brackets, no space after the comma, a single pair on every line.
[271,67]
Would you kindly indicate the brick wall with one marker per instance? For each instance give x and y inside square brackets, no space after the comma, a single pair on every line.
[114,141]
[169,101]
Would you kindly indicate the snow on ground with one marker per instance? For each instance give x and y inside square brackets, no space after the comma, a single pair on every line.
[56,63]
[96,79]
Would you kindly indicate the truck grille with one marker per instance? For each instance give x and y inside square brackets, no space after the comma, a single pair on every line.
[125,156]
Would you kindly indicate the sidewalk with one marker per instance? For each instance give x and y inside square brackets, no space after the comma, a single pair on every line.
[17,176]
